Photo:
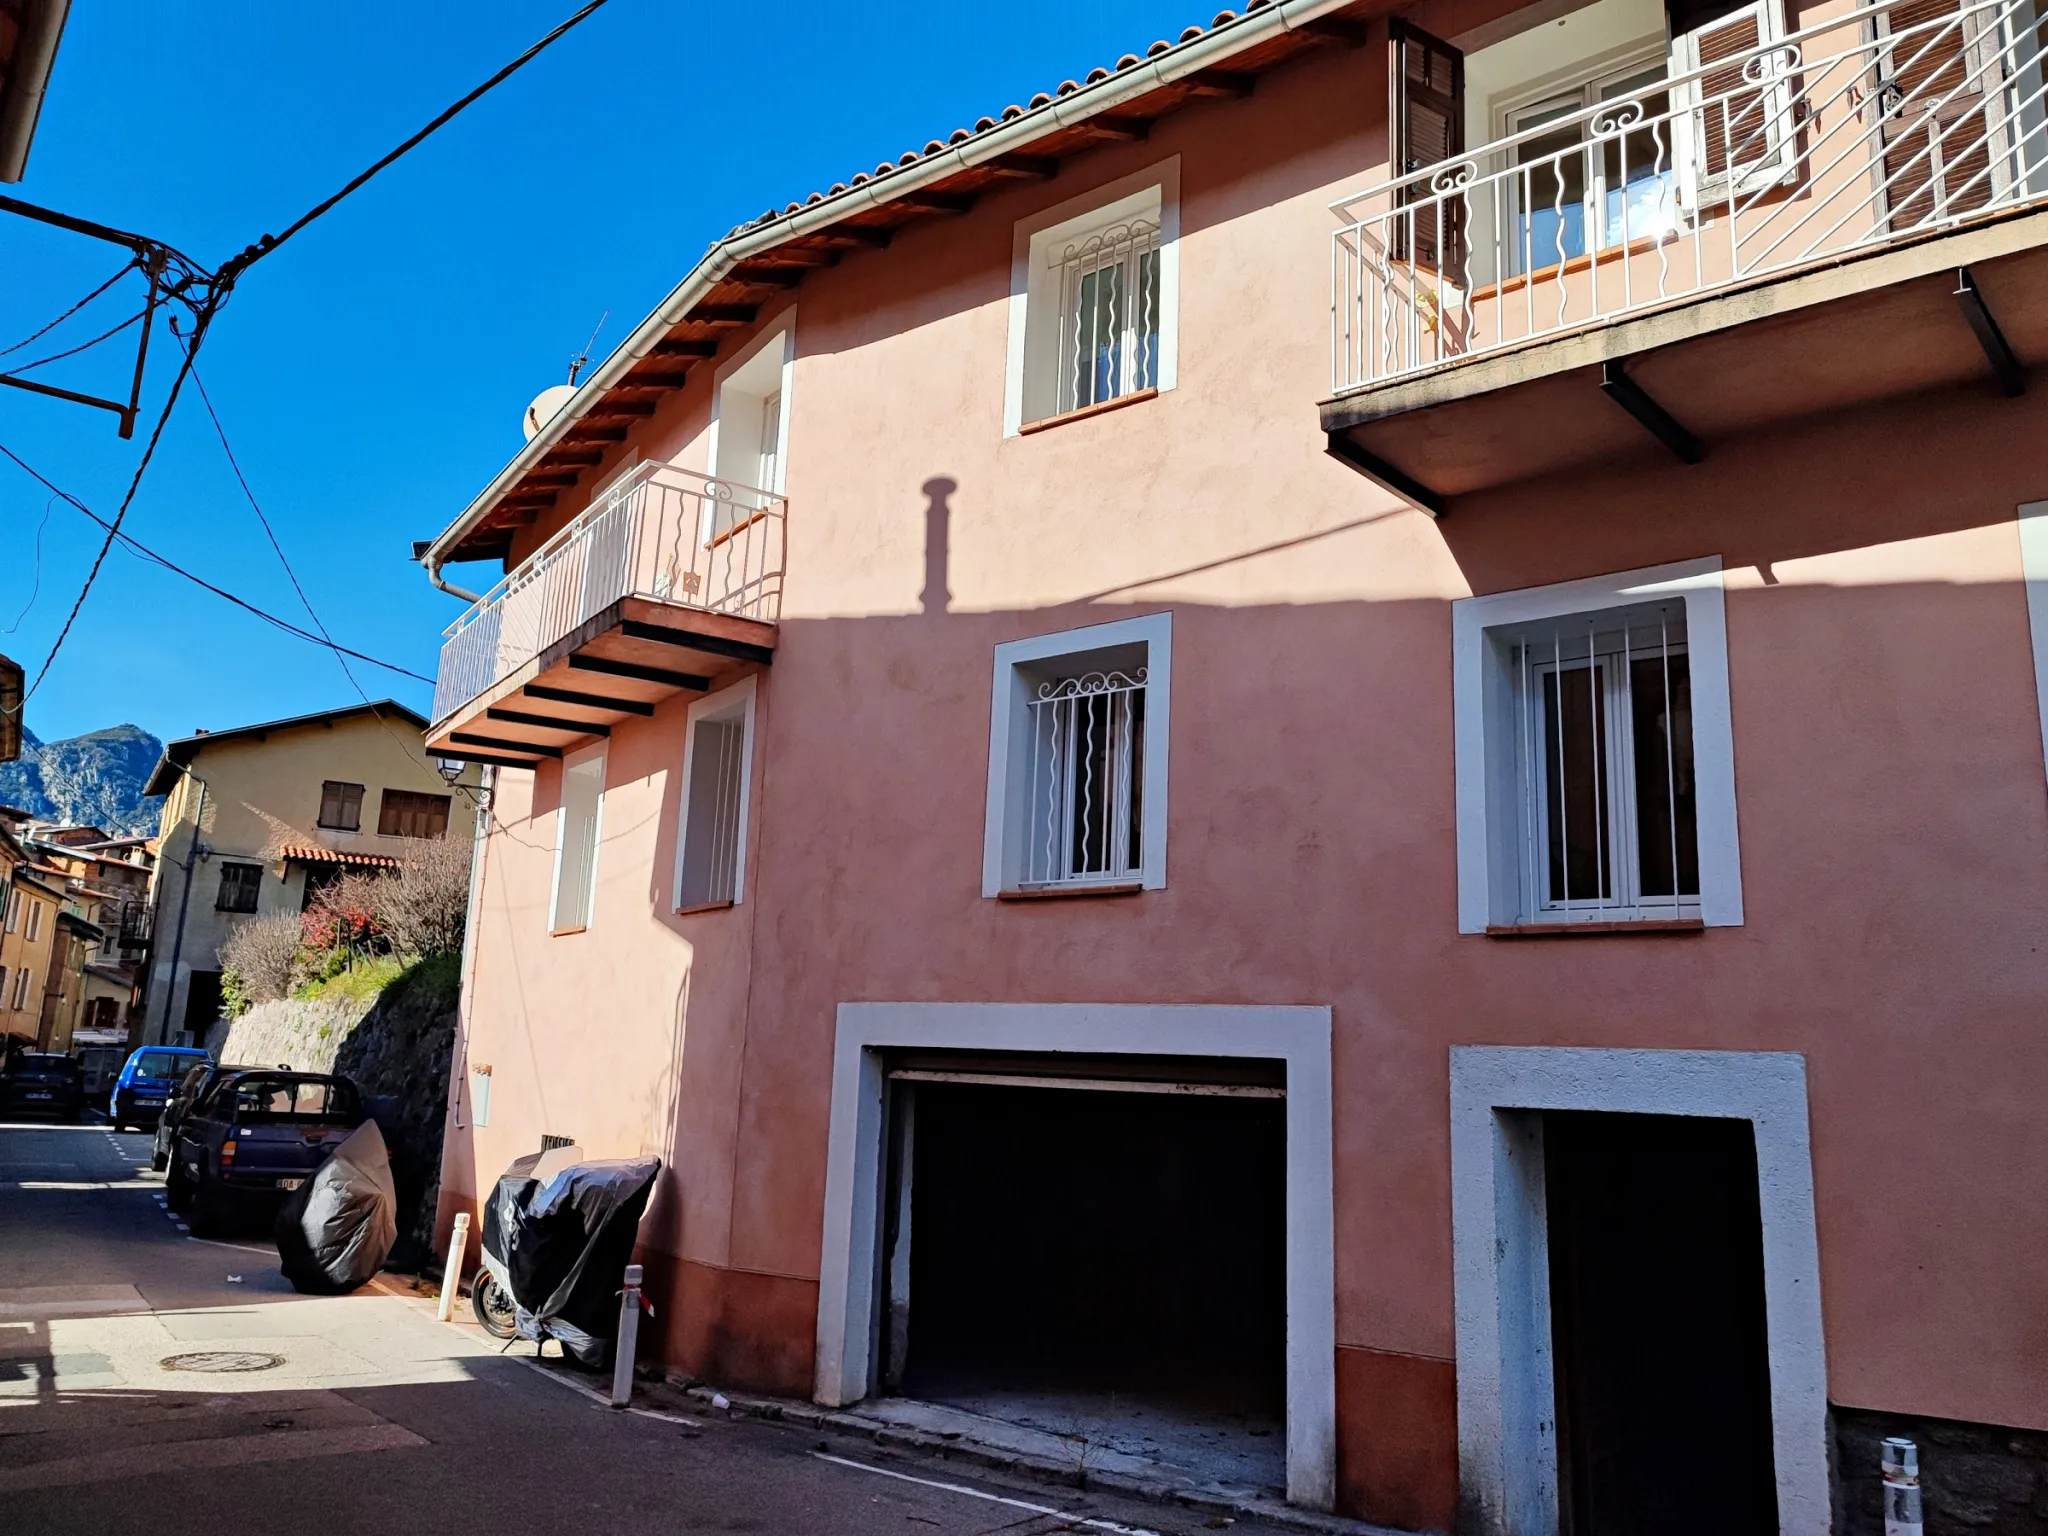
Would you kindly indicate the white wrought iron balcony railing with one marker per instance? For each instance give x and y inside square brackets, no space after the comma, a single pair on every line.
[1886,122]
[665,534]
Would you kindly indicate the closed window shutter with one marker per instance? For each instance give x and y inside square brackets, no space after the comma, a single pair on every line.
[1943,128]
[1429,127]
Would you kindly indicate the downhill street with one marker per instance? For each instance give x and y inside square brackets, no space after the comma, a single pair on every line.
[373,1417]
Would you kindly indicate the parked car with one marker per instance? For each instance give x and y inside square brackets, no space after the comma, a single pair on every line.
[254,1138]
[194,1086]
[40,1082]
[146,1081]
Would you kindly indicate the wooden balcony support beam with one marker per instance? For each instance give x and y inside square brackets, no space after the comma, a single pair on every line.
[640,674]
[503,745]
[683,639]
[540,722]
[588,700]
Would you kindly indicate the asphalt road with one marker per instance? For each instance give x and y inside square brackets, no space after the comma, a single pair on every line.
[374,1417]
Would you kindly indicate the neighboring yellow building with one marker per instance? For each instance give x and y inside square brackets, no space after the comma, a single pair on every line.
[258,818]
[28,941]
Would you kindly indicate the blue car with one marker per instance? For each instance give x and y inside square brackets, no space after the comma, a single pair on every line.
[147,1080]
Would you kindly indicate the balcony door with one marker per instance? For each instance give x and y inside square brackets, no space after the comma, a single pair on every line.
[1943,71]
[1604,177]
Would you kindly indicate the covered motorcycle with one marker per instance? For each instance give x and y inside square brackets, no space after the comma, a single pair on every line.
[337,1228]
[559,1247]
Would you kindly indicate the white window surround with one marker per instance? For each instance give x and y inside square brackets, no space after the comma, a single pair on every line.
[1002,857]
[735,702]
[560,922]
[1154,190]
[1484,732]
[1507,1450]
[2033,519]
[764,368]
[1299,1036]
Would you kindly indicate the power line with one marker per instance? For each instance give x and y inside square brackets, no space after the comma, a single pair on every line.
[143,550]
[105,335]
[133,263]
[270,243]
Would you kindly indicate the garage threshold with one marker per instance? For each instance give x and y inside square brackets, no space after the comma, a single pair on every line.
[947,1432]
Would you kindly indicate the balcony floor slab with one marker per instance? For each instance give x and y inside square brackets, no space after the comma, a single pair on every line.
[1878,325]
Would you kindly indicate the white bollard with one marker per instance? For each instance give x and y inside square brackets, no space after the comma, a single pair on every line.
[629,1338]
[451,1279]
[1901,1488]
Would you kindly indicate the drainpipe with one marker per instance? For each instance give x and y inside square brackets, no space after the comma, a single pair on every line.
[192,856]
[434,575]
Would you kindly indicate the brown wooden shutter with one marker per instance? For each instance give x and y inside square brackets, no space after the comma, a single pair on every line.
[1941,126]
[1428,111]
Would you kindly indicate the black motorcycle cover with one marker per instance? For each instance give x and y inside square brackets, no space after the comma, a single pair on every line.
[337,1228]
[562,1249]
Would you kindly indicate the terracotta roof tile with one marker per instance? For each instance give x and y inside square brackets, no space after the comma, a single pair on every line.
[1008,114]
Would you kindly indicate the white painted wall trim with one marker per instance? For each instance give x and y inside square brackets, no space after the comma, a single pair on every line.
[1507,1455]
[853,1174]
[1009,734]
[1482,716]
[2034,572]
[1164,179]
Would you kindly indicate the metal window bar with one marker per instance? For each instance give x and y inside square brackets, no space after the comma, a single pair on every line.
[1604,767]
[1108,315]
[1871,126]
[1084,811]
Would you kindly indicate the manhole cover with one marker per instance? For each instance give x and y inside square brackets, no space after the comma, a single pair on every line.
[222,1361]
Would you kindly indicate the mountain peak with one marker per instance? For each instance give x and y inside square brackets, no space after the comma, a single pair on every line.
[94,779]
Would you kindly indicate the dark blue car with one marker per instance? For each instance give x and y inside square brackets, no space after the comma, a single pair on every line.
[147,1079]
[254,1138]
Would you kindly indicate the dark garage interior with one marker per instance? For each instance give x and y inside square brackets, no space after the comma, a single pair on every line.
[1097,1254]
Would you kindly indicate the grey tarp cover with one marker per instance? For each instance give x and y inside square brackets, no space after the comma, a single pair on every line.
[561,1249]
[337,1228]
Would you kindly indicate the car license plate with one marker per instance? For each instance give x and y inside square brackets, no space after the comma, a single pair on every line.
[289,1183]
[39,1095]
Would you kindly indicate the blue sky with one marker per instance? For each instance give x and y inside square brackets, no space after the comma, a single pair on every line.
[372,373]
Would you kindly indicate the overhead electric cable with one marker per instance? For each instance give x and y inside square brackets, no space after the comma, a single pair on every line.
[82,346]
[45,330]
[143,550]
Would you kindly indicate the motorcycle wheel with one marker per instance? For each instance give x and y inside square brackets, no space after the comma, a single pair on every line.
[494,1310]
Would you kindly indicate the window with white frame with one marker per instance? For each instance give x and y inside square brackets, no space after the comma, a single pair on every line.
[577,828]
[750,431]
[1093,300]
[1077,760]
[35,921]
[711,847]
[1595,765]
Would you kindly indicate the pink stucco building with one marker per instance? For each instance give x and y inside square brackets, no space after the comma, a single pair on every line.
[1336,737]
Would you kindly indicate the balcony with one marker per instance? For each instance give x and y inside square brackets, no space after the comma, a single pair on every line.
[1855,211]
[666,583]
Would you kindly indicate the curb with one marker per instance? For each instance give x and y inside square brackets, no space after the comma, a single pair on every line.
[1155,1490]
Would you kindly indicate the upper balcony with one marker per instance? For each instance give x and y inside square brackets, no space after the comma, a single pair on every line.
[666,581]
[1849,212]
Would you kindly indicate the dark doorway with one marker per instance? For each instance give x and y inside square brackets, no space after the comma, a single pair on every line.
[202,1003]
[1099,1252]
[1657,1326]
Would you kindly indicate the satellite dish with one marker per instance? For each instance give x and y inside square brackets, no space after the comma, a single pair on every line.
[545,404]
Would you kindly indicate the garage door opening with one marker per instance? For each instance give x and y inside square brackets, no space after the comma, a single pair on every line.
[1097,1254]
[1658,1332]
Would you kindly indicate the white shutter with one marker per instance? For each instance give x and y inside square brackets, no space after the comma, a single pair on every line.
[1734,118]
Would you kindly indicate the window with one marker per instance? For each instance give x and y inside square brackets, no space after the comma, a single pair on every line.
[577,825]
[239,886]
[1595,769]
[406,813]
[341,806]
[35,920]
[1579,193]
[711,850]
[1077,760]
[22,979]
[13,910]
[750,431]
[3,986]
[1094,290]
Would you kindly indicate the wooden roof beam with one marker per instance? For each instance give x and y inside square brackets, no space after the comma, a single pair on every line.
[1338,29]
[561,455]
[678,346]
[1125,130]
[1036,167]
[1219,82]
[611,407]
[723,314]
[845,235]
[926,201]
[581,433]
[765,276]
[664,380]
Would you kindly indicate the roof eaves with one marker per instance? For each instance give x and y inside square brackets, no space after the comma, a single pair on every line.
[1103,91]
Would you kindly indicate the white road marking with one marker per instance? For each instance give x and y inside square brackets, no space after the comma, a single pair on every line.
[993,1498]
[239,1247]
[604,1401]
